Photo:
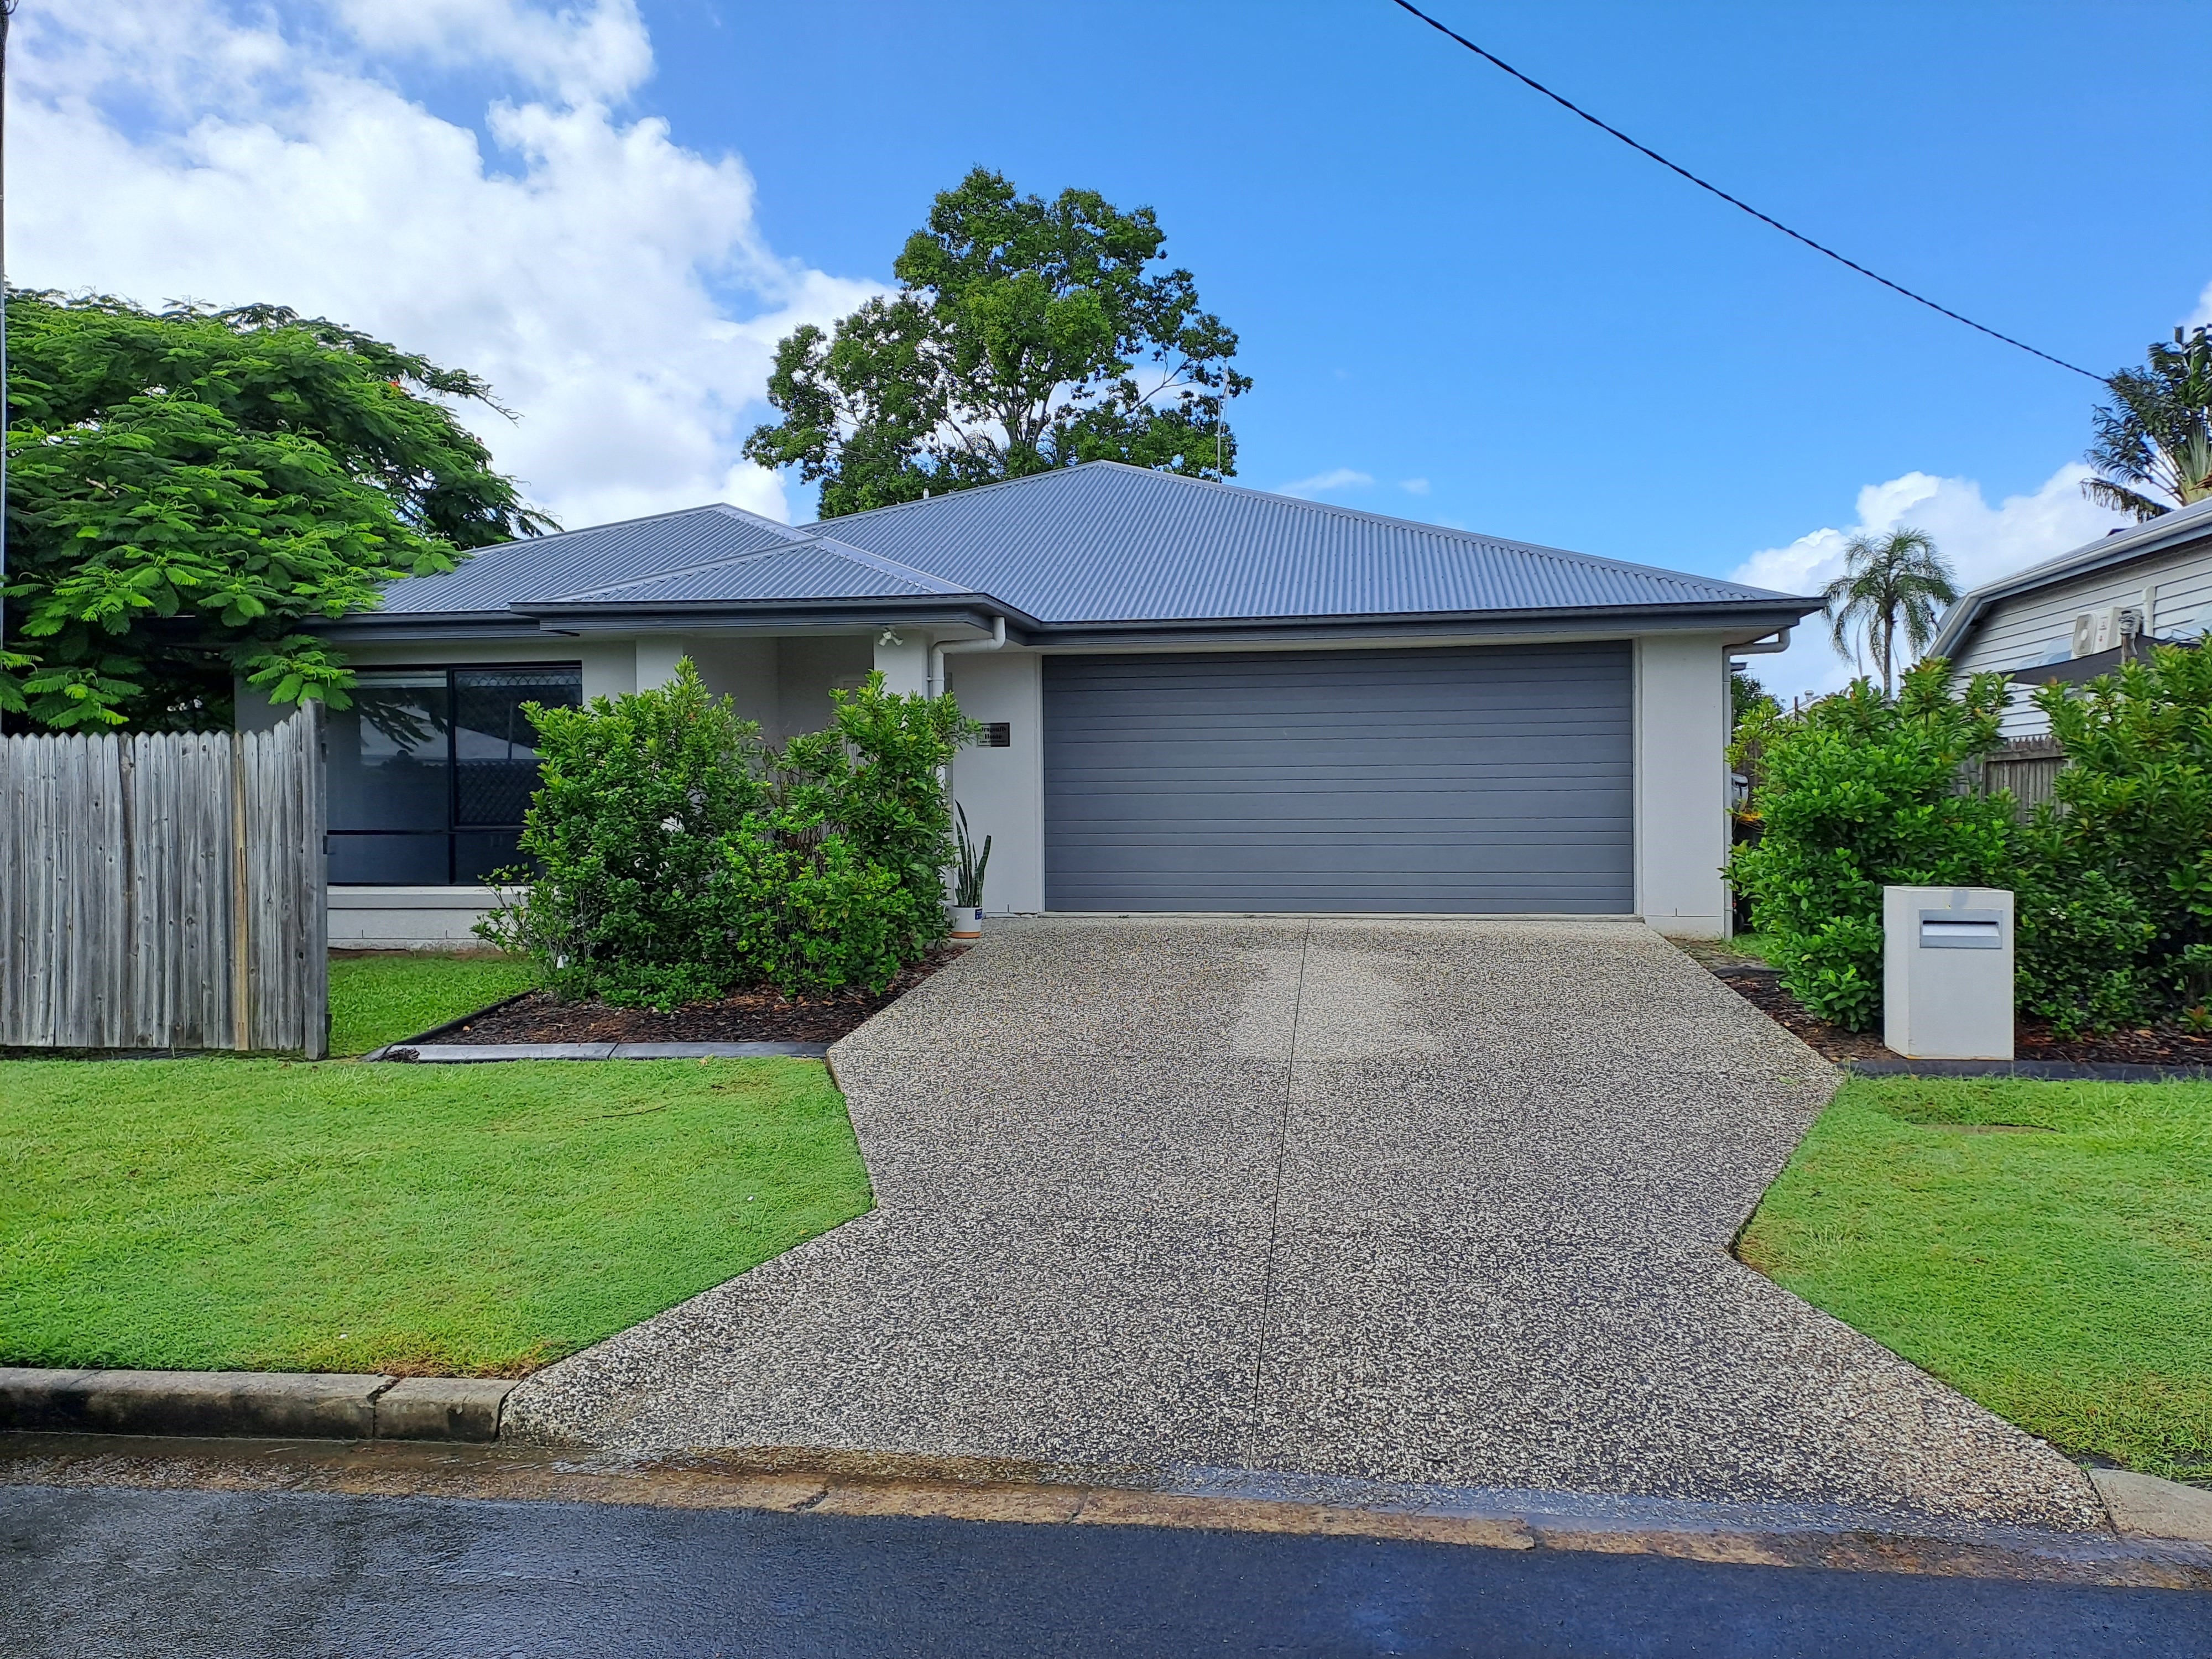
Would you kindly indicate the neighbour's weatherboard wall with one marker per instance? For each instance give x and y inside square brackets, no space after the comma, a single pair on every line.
[1681,784]
[2172,590]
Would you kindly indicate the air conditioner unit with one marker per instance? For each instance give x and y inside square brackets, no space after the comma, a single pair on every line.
[2103,629]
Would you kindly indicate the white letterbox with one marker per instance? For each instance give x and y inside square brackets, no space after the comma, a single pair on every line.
[1947,972]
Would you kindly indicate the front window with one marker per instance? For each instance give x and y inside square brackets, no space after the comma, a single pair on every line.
[432,769]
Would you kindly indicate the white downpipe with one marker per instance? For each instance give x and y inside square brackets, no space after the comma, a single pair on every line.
[937,653]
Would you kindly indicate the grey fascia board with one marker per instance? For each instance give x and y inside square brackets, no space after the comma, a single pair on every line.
[916,609]
[1757,620]
[2147,541]
[426,625]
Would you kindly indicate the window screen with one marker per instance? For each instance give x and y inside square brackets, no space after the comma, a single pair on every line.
[431,771]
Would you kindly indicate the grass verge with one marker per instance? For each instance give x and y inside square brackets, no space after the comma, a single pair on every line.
[479,1220]
[2060,1273]
[376,1000]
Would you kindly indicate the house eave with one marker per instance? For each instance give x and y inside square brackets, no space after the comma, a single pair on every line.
[1743,620]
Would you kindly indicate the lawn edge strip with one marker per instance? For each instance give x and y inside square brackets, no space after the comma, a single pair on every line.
[865,1486]
[2030,1070]
[280,1405]
[478,1053]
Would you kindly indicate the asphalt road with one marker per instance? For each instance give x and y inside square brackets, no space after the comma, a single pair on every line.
[228,1575]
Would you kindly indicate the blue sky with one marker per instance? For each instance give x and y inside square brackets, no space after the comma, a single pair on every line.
[1439,277]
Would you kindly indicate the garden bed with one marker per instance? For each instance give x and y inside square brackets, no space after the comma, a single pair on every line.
[742,1016]
[2032,1040]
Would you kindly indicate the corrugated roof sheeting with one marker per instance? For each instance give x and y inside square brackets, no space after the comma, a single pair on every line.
[806,570]
[1103,542]
[539,568]
[1100,542]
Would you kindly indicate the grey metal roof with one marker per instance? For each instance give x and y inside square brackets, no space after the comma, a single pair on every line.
[542,567]
[1100,544]
[823,569]
[2183,524]
[1109,542]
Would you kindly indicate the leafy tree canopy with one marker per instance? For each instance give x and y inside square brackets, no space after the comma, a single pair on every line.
[1026,335]
[2154,447]
[186,488]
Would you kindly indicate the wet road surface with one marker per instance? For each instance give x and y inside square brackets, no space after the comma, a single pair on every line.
[227,1574]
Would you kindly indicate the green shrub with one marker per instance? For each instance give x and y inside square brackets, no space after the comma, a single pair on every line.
[637,797]
[2132,825]
[2079,939]
[1859,792]
[677,856]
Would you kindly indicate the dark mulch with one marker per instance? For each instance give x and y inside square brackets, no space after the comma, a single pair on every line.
[2032,1039]
[1765,993]
[743,1016]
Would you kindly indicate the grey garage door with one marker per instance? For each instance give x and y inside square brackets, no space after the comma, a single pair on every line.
[1495,779]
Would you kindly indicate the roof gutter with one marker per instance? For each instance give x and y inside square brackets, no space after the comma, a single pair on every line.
[939,650]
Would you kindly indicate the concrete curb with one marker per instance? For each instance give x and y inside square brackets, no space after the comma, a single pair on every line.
[269,1405]
[465,1053]
[794,1481]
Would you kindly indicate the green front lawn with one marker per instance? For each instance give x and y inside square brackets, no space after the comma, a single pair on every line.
[2061,1277]
[260,1215]
[376,1000]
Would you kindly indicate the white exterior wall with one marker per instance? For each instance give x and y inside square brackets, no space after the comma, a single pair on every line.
[905,664]
[1682,783]
[407,917]
[1003,789]
[2173,591]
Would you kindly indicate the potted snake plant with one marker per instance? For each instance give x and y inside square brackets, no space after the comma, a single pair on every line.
[963,911]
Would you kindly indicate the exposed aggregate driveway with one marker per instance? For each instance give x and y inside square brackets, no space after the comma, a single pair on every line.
[1433,1202]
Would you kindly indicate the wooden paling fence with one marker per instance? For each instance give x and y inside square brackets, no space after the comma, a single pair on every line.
[165,891]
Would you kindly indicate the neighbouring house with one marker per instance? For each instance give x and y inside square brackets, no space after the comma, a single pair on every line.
[2074,617]
[1198,698]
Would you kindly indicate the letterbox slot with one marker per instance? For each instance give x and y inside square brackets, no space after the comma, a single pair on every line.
[1940,932]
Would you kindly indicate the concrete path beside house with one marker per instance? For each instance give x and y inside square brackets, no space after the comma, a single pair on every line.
[1428,1202]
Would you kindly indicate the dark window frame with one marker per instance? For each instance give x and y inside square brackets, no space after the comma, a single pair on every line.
[454,829]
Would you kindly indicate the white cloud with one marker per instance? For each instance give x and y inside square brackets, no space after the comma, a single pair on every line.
[1414,486]
[1339,477]
[611,284]
[1981,542]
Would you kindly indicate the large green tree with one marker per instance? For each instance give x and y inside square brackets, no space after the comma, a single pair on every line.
[2154,447]
[187,488]
[1026,335]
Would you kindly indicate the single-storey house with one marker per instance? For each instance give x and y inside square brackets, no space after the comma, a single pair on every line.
[1198,697]
[2077,616]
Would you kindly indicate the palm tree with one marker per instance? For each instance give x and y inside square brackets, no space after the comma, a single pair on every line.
[2155,438]
[1891,582]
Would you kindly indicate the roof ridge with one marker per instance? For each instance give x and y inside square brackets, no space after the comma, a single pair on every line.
[679,570]
[1541,548]
[888,566]
[1330,508]
[760,518]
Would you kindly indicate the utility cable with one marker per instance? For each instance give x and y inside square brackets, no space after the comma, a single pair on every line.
[1765,219]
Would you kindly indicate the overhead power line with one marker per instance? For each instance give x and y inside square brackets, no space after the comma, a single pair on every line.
[1765,219]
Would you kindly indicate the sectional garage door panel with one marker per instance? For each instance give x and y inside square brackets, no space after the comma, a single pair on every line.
[1485,779]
